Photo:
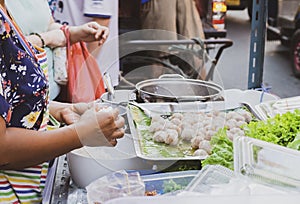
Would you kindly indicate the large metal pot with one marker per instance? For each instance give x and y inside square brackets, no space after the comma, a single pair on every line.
[170,89]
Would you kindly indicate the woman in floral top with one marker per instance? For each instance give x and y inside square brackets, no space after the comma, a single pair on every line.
[25,145]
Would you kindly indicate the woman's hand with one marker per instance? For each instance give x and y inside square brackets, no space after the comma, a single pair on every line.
[100,128]
[72,113]
[95,124]
[68,113]
[89,32]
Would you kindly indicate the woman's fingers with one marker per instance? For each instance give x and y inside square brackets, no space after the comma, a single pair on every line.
[102,34]
[113,142]
[118,133]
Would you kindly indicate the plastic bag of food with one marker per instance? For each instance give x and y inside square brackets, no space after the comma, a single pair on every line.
[114,185]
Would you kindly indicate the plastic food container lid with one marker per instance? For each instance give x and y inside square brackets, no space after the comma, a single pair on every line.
[267,163]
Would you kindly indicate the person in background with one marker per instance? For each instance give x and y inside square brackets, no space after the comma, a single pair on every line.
[40,29]
[105,12]
[181,20]
[181,17]
[25,144]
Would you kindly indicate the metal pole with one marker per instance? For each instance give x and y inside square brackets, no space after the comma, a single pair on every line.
[257,45]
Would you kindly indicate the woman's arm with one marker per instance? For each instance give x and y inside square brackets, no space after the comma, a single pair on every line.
[20,148]
[89,32]
[55,37]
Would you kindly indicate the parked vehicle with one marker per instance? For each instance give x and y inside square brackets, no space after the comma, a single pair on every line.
[240,5]
[212,14]
[284,25]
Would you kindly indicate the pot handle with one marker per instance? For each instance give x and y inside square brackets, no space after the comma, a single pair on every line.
[171,76]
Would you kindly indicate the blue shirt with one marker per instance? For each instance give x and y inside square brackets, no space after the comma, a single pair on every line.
[144,1]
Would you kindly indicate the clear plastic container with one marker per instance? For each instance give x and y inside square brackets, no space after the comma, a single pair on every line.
[267,163]
[209,177]
[168,183]
[269,109]
[259,168]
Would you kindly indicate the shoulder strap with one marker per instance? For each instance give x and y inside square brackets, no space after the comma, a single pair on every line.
[18,31]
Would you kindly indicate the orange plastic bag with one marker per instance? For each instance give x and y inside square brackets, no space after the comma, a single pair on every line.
[85,81]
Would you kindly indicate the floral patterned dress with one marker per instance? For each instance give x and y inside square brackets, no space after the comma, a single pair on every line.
[23,104]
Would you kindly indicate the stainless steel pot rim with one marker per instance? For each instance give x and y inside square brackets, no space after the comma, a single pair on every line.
[168,80]
[186,98]
[176,79]
[152,82]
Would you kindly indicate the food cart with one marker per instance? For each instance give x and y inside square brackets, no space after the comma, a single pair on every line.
[64,190]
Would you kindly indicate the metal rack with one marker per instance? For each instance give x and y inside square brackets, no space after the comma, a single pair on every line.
[257,44]
[61,182]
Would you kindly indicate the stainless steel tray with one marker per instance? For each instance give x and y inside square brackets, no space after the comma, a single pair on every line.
[165,109]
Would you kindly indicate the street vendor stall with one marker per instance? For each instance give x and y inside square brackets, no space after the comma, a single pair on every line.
[63,189]
[248,152]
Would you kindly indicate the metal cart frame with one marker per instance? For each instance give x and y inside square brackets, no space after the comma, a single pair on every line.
[176,47]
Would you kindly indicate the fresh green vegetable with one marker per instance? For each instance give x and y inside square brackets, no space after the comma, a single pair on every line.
[281,130]
[222,150]
[139,116]
[171,185]
[295,144]
[184,165]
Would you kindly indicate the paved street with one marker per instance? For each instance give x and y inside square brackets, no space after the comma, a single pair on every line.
[232,69]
